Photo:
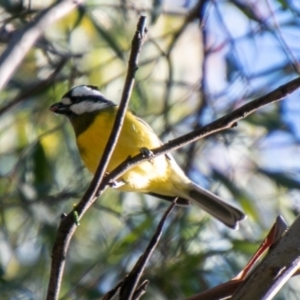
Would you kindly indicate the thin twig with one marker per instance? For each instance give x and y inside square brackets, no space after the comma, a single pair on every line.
[221,291]
[131,281]
[113,291]
[34,89]
[140,291]
[68,226]
[23,40]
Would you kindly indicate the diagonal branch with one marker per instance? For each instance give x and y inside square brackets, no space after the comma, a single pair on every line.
[131,281]
[128,287]
[228,121]
[68,223]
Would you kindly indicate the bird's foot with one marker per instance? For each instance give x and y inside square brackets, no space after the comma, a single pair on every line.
[116,184]
[147,153]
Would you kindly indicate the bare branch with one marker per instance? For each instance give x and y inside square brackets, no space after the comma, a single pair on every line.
[221,291]
[68,226]
[228,121]
[228,288]
[277,267]
[33,89]
[140,291]
[113,291]
[131,281]
[22,41]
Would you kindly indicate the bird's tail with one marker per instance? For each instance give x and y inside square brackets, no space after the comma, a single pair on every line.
[214,205]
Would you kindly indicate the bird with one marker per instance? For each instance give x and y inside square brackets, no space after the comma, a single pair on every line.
[92,117]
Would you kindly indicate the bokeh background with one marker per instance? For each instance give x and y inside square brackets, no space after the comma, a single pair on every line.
[201,60]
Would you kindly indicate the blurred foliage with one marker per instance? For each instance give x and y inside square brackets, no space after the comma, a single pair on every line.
[188,76]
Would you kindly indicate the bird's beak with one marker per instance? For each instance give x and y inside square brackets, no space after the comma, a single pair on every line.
[60,108]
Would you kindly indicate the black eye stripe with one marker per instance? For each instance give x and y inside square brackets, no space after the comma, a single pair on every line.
[89,98]
[80,94]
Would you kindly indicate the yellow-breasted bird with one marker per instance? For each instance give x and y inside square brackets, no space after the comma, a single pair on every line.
[92,117]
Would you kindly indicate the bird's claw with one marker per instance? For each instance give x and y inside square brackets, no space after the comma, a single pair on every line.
[147,153]
[116,184]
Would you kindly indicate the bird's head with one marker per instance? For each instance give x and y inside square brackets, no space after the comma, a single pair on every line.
[80,100]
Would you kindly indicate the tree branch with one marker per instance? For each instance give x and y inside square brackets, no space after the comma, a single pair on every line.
[228,121]
[227,289]
[33,89]
[277,267]
[131,281]
[68,226]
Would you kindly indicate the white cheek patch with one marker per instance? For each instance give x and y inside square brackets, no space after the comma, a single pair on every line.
[66,101]
[87,106]
[86,91]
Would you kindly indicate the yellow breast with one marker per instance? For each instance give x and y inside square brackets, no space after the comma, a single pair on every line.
[149,176]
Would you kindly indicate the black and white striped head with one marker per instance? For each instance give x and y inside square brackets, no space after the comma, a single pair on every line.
[80,100]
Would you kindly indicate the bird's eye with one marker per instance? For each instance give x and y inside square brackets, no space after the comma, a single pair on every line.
[76,100]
